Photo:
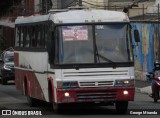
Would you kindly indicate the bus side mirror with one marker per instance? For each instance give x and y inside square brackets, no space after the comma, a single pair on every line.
[136,35]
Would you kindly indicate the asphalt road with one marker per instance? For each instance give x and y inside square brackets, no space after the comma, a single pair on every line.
[11,99]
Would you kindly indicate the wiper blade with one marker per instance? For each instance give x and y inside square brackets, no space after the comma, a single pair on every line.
[104,58]
[101,56]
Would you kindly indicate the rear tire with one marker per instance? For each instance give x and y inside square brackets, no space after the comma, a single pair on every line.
[57,108]
[31,101]
[121,107]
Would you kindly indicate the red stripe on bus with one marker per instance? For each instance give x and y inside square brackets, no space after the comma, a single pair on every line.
[16,59]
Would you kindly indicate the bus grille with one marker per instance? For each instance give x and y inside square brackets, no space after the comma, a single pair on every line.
[96,96]
[96,84]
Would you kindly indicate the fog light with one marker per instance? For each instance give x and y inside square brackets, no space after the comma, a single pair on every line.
[66,94]
[125,92]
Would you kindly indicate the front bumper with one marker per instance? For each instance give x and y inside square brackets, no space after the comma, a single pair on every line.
[96,95]
[9,75]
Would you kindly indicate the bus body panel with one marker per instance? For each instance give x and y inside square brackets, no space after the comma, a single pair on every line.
[34,69]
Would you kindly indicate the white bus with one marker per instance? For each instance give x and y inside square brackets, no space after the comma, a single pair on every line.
[75,56]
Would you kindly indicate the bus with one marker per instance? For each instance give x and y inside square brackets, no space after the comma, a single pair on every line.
[75,56]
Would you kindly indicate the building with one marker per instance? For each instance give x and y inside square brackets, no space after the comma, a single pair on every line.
[140,6]
[26,8]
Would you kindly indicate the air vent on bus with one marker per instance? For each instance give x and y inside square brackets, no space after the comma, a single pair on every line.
[96,96]
[96,84]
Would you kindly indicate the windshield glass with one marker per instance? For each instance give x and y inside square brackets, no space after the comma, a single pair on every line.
[76,44]
[111,43]
[9,57]
[93,44]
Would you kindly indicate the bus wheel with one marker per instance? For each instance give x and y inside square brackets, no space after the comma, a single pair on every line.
[31,101]
[57,108]
[121,107]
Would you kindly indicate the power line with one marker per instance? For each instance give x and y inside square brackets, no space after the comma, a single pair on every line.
[69,4]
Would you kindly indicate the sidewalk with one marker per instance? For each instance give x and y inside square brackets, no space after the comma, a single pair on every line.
[143,86]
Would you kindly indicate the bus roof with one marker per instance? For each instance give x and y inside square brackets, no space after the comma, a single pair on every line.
[77,16]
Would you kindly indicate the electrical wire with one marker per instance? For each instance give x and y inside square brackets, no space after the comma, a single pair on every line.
[102,6]
[69,4]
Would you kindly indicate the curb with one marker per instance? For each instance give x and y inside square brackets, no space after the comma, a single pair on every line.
[145,90]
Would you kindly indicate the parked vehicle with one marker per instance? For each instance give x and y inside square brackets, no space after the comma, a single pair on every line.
[7,66]
[154,77]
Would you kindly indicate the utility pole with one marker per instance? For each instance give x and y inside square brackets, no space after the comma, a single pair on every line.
[79,2]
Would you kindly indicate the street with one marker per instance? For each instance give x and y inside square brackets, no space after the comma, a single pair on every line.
[11,99]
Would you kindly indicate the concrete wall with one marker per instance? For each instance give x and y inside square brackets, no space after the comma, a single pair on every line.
[62,4]
[137,10]
[147,51]
[118,5]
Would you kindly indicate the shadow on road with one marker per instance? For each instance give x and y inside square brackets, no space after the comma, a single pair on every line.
[76,109]
[8,83]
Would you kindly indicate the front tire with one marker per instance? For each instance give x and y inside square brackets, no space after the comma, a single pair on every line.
[57,108]
[156,94]
[121,107]
[31,101]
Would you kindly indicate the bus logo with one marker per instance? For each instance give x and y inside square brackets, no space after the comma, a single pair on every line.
[96,83]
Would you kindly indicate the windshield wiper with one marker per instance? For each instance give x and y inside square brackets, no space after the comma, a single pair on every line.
[96,50]
[101,56]
[104,58]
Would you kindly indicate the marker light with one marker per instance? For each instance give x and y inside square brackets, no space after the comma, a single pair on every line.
[128,82]
[66,94]
[125,92]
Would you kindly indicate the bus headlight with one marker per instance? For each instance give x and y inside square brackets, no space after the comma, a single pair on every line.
[67,84]
[129,82]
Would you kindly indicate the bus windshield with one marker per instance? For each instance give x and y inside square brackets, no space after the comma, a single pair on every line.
[107,43]
[9,57]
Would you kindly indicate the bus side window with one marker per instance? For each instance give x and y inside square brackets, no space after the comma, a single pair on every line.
[38,36]
[33,37]
[27,37]
[51,44]
[46,34]
[17,37]
[22,33]
[43,36]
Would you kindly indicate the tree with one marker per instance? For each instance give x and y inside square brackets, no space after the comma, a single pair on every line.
[6,5]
